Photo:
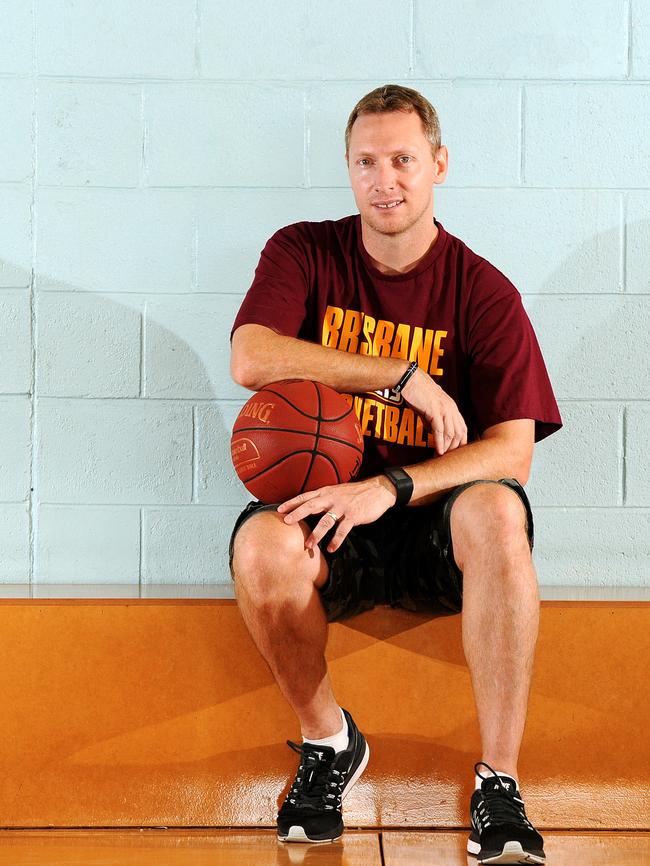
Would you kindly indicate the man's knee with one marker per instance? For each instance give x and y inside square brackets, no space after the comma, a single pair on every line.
[266,548]
[486,514]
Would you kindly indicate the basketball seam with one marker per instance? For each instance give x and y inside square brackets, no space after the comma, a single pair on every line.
[284,457]
[306,414]
[315,445]
[300,432]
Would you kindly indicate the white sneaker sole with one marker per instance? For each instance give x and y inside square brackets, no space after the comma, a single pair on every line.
[297,834]
[512,853]
[359,771]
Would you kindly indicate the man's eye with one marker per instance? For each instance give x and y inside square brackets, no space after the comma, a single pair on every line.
[363,159]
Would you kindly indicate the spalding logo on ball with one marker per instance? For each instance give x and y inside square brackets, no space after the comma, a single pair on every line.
[293,436]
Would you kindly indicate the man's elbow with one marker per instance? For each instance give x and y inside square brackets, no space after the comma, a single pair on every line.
[251,346]
[523,470]
[241,360]
[241,371]
[522,478]
[515,465]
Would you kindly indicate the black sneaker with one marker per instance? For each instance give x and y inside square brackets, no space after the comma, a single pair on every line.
[311,811]
[501,832]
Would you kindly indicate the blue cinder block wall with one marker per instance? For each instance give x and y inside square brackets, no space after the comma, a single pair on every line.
[148,151]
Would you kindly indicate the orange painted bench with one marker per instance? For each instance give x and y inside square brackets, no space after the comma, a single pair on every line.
[150,712]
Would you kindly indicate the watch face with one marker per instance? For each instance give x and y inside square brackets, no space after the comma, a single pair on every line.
[403,484]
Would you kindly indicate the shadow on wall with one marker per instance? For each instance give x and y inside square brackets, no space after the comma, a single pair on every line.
[592,335]
[135,408]
[595,348]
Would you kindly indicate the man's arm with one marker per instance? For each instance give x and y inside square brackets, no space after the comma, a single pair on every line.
[504,451]
[260,356]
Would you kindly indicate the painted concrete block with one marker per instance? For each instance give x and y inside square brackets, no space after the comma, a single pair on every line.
[124,452]
[89,133]
[88,544]
[235,134]
[112,240]
[117,39]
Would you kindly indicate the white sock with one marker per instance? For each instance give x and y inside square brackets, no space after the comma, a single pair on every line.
[337,741]
[478,779]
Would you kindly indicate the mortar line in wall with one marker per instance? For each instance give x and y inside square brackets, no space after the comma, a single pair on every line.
[624,460]
[522,142]
[33,420]
[193,456]
[628,71]
[623,262]
[412,40]
[143,146]
[141,515]
[306,137]
[283,82]
[143,337]
[346,189]
[197,38]
[195,246]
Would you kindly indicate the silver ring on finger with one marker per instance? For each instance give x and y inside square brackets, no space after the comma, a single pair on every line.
[334,517]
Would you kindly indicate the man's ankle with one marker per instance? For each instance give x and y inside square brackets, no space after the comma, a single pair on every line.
[320,734]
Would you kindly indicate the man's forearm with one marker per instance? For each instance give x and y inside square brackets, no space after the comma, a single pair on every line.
[487,458]
[261,356]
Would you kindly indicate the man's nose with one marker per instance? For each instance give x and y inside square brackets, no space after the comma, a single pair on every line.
[384,177]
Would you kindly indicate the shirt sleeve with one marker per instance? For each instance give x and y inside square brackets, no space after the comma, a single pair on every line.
[507,374]
[279,292]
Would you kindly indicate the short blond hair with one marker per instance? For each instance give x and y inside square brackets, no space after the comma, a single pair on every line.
[394,97]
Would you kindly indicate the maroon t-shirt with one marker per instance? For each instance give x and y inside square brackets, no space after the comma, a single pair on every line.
[455,313]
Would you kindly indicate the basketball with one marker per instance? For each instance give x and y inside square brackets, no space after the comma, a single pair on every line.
[293,436]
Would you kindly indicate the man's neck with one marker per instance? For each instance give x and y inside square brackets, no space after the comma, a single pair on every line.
[397,254]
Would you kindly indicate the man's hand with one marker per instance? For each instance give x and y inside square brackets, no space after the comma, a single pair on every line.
[355,502]
[439,411]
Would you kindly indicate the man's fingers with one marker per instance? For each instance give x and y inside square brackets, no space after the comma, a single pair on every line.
[444,435]
[297,500]
[339,536]
[321,529]
[310,507]
[449,433]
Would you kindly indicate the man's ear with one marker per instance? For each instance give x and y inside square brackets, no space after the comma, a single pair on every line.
[442,164]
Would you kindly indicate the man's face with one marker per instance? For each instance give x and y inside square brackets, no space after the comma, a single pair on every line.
[391,160]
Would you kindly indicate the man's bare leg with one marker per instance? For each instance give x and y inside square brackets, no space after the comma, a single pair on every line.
[276,583]
[500,615]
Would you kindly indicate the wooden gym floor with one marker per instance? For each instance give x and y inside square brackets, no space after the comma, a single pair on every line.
[237,847]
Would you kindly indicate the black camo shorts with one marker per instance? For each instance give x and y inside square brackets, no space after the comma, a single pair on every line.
[403,559]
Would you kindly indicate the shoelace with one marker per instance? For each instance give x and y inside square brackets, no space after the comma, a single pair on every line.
[499,805]
[313,785]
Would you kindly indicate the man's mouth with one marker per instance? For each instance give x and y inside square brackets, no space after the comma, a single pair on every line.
[388,205]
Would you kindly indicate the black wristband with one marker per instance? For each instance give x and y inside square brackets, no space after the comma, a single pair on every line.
[403,484]
[411,370]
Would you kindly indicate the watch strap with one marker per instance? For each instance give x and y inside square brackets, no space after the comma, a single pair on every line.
[410,371]
[403,484]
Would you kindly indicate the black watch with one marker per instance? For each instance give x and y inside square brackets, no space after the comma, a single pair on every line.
[403,484]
